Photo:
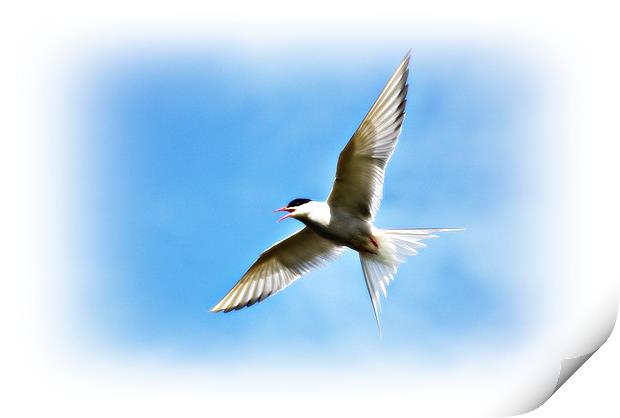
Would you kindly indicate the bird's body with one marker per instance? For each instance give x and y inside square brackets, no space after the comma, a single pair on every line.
[339,226]
[346,218]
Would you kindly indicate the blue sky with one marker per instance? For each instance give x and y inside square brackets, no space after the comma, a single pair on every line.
[189,152]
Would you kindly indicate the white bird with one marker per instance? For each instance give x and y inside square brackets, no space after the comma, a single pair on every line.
[346,218]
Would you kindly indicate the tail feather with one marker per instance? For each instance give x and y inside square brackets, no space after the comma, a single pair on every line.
[395,245]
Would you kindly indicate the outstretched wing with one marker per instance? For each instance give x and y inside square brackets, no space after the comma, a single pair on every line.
[358,186]
[279,266]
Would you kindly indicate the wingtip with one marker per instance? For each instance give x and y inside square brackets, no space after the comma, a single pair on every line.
[407,56]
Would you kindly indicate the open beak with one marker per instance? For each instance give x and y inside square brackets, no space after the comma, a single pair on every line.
[285,209]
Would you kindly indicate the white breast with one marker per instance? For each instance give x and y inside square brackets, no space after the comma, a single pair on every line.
[319,213]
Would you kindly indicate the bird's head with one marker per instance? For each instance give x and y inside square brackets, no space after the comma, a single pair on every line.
[295,209]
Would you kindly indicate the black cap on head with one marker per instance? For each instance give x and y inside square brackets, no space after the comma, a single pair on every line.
[297,202]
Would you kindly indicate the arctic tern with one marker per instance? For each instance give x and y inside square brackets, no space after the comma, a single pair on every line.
[345,219]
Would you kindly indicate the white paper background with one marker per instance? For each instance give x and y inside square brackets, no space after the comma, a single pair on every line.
[43,374]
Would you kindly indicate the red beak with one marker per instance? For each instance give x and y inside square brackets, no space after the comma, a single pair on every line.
[285,209]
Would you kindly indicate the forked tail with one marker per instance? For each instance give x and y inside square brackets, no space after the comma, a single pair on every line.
[395,245]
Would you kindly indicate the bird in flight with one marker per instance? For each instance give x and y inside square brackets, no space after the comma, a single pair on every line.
[345,219]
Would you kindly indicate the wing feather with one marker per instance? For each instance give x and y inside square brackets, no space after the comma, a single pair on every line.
[278,267]
[358,186]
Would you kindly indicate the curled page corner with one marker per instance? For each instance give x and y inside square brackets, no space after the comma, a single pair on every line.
[568,366]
